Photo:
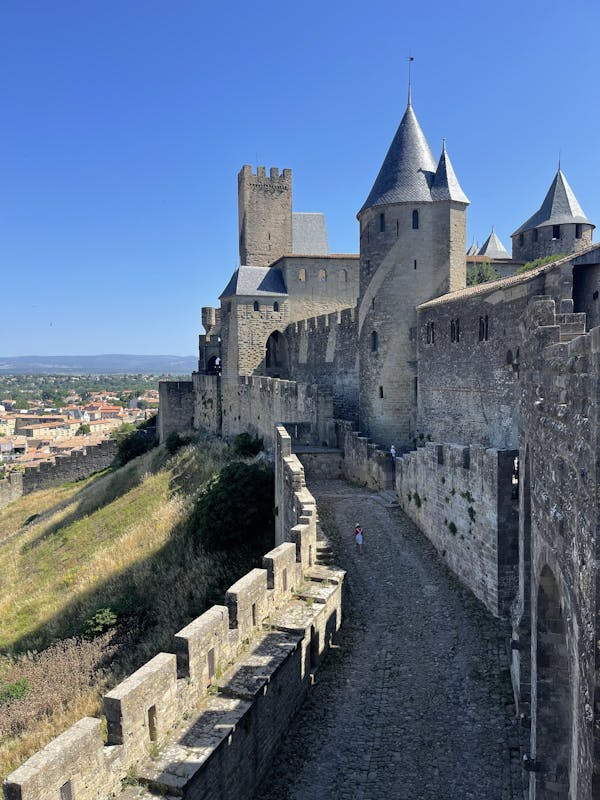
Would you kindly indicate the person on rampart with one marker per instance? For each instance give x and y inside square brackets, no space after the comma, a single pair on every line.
[393,456]
[359,537]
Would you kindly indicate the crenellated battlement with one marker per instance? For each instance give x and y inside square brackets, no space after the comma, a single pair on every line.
[247,172]
[184,720]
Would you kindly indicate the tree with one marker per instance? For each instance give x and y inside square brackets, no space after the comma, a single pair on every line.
[83,429]
[481,273]
[236,508]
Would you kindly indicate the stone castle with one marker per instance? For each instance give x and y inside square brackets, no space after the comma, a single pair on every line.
[490,394]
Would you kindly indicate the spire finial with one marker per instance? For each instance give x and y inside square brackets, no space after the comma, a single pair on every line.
[443,144]
[559,154]
[410,60]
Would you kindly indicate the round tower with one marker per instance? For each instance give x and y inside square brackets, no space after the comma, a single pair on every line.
[412,248]
[558,227]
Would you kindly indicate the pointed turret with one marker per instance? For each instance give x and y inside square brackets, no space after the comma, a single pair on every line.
[445,184]
[560,207]
[408,168]
[493,247]
[558,226]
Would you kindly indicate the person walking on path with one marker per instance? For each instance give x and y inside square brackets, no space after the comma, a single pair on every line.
[359,537]
[393,456]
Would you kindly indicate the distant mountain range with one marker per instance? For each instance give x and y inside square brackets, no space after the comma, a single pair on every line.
[98,365]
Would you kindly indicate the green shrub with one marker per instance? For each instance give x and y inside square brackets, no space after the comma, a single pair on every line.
[101,621]
[132,442]
[236,508]
[14,691]
[539,262]
[174,441]
[247,446]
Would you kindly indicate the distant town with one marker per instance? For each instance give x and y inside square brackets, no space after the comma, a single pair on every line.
[42,417]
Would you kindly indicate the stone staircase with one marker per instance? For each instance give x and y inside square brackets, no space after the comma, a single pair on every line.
[571,325]
[324,554]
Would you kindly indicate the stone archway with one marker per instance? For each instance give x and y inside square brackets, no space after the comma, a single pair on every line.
[277,361]
[553,706]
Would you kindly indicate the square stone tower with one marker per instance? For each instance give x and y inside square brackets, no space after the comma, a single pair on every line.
[264,215]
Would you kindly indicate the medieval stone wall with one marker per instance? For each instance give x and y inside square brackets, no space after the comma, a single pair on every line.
[204,721]
[257,404]
[175,410]
[540,242]
[60,469]
[464,500]
[322,350]
[319,284]
[556,628]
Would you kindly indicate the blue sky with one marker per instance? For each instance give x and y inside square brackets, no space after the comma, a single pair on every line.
[123,125]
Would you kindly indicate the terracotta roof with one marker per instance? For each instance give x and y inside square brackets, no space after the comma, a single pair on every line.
[503,283]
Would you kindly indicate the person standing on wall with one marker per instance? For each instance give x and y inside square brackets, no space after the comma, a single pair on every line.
[359,537]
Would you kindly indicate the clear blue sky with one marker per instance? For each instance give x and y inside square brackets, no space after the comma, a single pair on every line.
[123,124]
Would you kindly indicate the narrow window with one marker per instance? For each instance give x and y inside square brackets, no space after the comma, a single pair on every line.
[486,328]
[373,304]
[66,791]
[381,392]
[302,275]
[284,580]
[535,234]
[382,223]
[254,615]
[275,306]
[152,723]
[432,332]
[595,295]
[374,342]
[343,276]
[455,330]
[521,239]
[415,263]
[210,657]
[256,306]
[416,388]
[415,220]
[556,231]
[397,228]
[578,230]
[322,275]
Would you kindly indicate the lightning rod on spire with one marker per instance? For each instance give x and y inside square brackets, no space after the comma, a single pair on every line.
[410,60]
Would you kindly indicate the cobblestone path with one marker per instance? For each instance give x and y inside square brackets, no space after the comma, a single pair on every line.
[414,702]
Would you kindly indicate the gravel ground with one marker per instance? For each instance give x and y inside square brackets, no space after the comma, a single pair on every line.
[414,701]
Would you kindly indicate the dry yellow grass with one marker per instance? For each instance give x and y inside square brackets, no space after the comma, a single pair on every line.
[60,557]
[122,537]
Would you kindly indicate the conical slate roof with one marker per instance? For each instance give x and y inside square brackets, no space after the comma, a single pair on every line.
[560,206]
[493,247]
[445,184]
[408,168]
[473,250]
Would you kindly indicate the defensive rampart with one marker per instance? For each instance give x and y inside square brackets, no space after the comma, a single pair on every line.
[323,350]
[203,721]
[62,468]
[176,407]
[257,404]
[465,501]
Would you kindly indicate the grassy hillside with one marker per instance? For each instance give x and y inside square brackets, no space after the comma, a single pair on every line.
[95,577]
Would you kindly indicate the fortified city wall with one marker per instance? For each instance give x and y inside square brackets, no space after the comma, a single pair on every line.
[204,720]
[464,499]
[555,618]
[62,468]
[469,348]
[255,404]
[323,350]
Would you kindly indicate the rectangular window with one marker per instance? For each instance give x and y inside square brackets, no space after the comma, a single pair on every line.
[254,620]
[415,264]
[556,231]
[578,230]
[381,392]
[152,723]
[210,657]
[535,234]
[382,223]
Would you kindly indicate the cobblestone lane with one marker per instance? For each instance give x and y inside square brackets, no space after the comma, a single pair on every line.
[414,703]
